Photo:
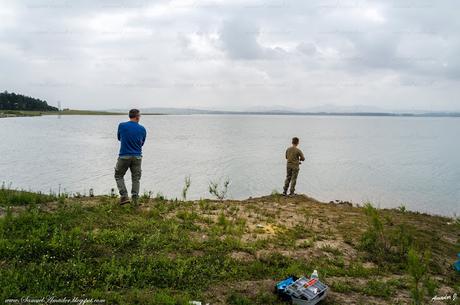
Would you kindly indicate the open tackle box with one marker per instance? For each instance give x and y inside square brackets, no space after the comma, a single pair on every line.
[302,291]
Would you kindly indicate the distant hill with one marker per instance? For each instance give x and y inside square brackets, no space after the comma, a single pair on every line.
[279,110]
[167,110]
[13,101]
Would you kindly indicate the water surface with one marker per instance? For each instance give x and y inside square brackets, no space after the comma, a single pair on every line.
[389,161]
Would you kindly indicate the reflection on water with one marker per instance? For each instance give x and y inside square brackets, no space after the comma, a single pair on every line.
[386,160]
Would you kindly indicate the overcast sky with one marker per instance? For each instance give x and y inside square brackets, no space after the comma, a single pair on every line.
[104,54]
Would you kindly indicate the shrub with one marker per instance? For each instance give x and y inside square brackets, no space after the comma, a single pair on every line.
[385,243]
[220,193]
[418,267]
[187,183]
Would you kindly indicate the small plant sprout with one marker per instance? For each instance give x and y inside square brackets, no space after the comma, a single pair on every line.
[160,197]
[187,183]
[417,267]
[220,193]
[145,197]
[276,195]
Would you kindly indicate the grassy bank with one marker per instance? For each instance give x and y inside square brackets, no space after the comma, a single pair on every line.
[15,113]
[220,252]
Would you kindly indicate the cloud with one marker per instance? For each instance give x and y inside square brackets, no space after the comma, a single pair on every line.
[239,39]
[216,53]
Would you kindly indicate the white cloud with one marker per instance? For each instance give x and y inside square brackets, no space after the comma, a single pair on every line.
[215,53]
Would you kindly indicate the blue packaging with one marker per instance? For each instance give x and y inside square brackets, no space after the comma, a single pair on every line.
[281,286]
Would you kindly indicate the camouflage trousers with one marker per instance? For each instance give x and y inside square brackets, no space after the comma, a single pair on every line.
[134,164]
[291,178]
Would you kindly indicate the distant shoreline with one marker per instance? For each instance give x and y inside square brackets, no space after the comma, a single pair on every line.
[371,114]
[27,113]
[198,111]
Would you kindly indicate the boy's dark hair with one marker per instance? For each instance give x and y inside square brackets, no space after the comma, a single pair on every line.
[134,113]
[295,140]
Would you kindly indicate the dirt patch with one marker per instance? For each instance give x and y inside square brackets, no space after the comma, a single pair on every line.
[242,256]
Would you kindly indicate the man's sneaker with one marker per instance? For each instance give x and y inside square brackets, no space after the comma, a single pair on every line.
[124,200]
[284,193]
[292,194]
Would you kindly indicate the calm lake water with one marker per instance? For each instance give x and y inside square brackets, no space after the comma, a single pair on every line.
[386,160]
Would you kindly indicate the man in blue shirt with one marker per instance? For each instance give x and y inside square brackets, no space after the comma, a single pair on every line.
[132,136]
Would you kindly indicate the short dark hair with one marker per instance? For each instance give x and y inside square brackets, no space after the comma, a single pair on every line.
[295,140]
[133,113]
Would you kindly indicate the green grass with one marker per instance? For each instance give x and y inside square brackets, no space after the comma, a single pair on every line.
[15,197]
[110,250]
[18,113]
[171,252]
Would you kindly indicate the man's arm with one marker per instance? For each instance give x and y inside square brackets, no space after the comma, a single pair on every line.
[144,137]
[285,154]
[118,133]
[301,156]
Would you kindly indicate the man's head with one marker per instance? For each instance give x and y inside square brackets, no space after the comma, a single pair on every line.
[134,115]
[295,141]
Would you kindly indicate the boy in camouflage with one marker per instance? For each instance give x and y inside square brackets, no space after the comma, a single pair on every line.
[293,156]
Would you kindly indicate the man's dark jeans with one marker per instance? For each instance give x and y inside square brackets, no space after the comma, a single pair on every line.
[134,164]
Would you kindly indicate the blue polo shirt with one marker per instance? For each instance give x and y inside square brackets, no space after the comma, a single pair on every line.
[132,137]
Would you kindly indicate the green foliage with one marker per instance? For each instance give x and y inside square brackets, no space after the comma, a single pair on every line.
[417,268]
[188,219]
[170,252]
[112,252]
[225,225]
[374,288]
[378,289]
[238,299]
[145,197]
[14,197]
[160,197]
[13,101]
[276,195]
[341,287]
[215,190]
[385,243]
[263,298]
[395,245]
[187,183]
[17,113]
[206,205]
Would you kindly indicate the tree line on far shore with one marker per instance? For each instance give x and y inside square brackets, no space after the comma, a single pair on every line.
[13,101]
